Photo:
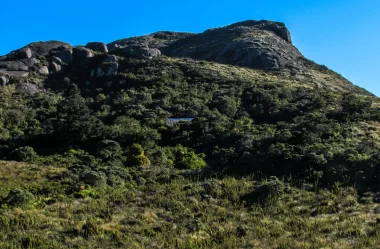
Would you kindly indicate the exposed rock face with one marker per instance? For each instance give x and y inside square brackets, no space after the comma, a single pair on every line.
[141,51]
[27,88]
[65,55]
[3,80]
[14,73]
[264,45]
[112,69]
[13,66]
[81,55]
[54,67]
[106,69]
[56,60]
[43,48]
[29,62]
[159,40]
[43,70]
[278,28]
[97,46]
[110,58]
[22,53]
[255,44]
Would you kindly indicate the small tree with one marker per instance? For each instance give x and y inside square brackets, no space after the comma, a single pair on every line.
[137,156]
[25,154]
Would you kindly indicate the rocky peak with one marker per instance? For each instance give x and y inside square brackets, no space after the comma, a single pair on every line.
[278,28]
[256,44]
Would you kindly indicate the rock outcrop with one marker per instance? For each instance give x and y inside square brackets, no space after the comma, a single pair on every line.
[63,54]
[13,66]
[27,88]
[43,70]
[22,53]
[54,67]
[255,44]
[97,46]
[43,48]
[262,45]
[81,55]
[3,80]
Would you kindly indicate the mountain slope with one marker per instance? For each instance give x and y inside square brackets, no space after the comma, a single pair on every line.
[153,141]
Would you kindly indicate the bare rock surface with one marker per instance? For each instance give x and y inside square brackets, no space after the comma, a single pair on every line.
[97,46]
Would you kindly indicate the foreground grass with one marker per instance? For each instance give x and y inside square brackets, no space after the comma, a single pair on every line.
[183,213]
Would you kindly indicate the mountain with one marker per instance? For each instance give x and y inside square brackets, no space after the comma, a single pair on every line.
[229,138]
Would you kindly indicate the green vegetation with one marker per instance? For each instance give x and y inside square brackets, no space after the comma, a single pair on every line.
[268,161]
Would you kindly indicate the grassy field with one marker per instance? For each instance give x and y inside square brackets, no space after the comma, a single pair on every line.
[181,212]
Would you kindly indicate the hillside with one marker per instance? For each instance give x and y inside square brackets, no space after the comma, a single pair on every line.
[230,138]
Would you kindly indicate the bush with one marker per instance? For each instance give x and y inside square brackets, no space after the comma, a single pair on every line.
[191,160]
[19,197]
[93,178]
[25,154]
[108,149]
[267,192]
[137,156]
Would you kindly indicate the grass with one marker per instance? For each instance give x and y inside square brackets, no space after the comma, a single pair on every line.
[185,213]
[18,174]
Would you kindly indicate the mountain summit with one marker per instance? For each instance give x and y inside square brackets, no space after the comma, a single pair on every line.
[264,45]
[255,44]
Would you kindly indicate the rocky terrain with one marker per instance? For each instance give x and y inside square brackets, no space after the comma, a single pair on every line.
[263,45]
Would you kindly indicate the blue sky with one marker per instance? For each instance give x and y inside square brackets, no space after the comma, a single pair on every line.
[342,34]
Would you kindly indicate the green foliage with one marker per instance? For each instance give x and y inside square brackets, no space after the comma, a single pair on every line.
[137,156]
[190,160]
[267,162]
[25,154]
[108,150]
[19,197]
[93,178]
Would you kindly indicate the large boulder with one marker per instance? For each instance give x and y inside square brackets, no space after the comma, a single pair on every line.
[142,51]
[106,69]
[13,66]
[3,80]
[110,58]
[43,48]
[43,70]
[27,88]
[29,62]
[14,73]
[97,46]
[24,53]
[65,55]
[81,55]
[112,69]
[21,53]
[54,67]
[56,60]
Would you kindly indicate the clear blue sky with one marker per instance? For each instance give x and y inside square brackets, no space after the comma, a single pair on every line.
[342,34]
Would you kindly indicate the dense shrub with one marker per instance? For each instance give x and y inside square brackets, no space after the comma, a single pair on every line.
[19,197]
[25,154]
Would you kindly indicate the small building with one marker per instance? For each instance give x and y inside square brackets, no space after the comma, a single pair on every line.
[173,121]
